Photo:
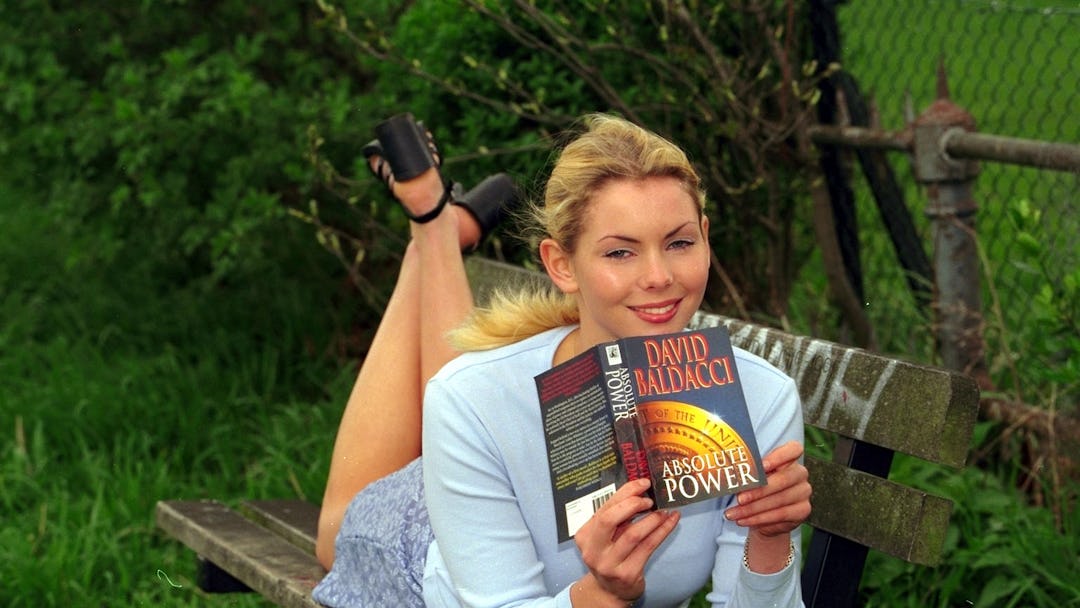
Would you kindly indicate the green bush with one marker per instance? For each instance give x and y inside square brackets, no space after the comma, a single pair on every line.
[167,134]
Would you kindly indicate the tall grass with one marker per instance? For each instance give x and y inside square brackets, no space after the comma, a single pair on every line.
[119,389]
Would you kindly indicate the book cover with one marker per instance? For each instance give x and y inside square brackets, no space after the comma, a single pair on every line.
[668,406]
[693,416]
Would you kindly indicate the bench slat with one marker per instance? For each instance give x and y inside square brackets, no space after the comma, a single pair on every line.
[487,275]
[898,520]
[261,559]
[923,411]
[297,521]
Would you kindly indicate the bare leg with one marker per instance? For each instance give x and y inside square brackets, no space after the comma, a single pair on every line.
[380,428]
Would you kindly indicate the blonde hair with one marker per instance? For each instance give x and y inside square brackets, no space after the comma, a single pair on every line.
[607,148]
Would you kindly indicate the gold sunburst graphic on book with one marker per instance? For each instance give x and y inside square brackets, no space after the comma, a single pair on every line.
[682,438]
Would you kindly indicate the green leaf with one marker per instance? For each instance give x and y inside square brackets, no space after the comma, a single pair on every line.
[1029,244]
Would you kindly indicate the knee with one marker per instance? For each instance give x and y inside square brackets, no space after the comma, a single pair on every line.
[325,538]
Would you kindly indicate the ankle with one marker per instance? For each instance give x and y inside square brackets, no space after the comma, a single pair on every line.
[469,231]
[422,194]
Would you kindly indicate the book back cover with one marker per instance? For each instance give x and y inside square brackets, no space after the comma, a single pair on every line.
[582,457]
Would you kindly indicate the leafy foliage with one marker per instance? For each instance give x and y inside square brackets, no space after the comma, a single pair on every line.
[167,134]
[508,75]
[999,552]
[1053,316]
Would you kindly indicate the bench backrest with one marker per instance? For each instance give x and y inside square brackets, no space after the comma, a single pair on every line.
[875,406]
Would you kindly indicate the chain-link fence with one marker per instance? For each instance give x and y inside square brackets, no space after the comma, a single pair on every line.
[1015,66]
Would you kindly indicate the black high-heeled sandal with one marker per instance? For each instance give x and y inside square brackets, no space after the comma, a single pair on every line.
[374,147]
[405,150]
[382,168]
[489,202]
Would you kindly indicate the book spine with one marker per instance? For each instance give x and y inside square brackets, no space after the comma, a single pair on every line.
[624,416]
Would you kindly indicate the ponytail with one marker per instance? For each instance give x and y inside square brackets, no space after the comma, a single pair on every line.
[513,316]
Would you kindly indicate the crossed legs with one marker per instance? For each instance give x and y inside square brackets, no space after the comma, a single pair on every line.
[380,427]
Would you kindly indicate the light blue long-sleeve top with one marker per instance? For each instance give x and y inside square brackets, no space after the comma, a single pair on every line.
[489,494]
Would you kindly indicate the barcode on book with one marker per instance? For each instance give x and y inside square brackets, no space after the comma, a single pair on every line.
[579,511]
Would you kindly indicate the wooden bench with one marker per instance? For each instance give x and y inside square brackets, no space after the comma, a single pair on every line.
[874,406]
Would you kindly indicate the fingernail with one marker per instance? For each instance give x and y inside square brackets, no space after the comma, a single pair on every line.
[731,514]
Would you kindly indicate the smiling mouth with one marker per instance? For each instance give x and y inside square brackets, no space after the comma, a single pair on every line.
[659,309]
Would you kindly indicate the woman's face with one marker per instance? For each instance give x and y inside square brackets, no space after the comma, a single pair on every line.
[641,262]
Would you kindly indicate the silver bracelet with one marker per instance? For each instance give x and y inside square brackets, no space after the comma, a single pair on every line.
[746,555]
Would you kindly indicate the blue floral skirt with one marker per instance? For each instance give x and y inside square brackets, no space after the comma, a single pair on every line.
[380,551]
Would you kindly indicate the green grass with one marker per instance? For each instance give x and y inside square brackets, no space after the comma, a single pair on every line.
[120,390]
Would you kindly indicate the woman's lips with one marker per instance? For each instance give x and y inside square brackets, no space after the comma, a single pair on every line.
[659,312]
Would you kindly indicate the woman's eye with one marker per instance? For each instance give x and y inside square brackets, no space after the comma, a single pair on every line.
[617,254]
[681,244]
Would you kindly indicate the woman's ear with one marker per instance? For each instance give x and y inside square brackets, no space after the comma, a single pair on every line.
[559,266]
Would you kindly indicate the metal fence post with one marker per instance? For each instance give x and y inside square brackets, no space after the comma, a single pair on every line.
[951,209]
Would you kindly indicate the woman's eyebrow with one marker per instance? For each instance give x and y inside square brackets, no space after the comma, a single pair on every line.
[629,239]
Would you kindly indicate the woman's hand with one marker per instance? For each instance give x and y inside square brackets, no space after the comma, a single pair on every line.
[773,511]
[616,548]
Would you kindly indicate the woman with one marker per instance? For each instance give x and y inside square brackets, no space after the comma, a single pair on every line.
[625,241]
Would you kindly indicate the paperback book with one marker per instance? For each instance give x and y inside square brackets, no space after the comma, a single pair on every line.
[669,407]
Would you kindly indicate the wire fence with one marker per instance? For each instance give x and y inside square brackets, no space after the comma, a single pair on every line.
[1015,66]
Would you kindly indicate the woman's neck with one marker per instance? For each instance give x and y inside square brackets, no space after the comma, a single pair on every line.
[568,348]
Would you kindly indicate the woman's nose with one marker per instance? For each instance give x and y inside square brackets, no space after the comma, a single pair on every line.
[657,272]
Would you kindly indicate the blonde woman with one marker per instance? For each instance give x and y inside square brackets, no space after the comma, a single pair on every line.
[472,522]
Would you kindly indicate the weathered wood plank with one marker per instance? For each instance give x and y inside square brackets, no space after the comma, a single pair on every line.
[915,409]
[485,276]
[264,561]
[297,521]
[883,515]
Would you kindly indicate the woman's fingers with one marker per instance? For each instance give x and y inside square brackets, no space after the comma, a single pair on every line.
[627,502]
[791,506]
[782,456]
[646,535]
[618,540]
[784,503]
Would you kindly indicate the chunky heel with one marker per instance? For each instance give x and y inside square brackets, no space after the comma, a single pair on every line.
[405,146]
[405,150]
[489,201]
